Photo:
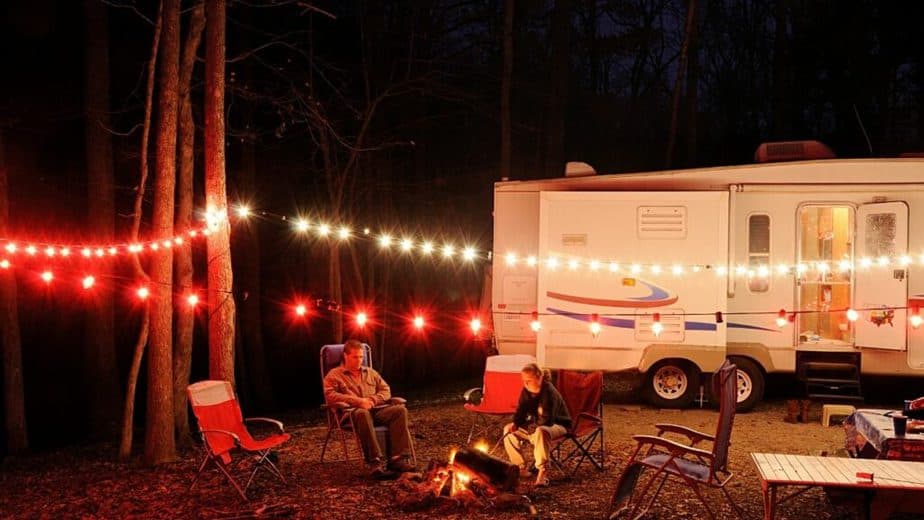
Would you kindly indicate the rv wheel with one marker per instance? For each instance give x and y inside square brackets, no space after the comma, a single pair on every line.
[750,383]
[672,384]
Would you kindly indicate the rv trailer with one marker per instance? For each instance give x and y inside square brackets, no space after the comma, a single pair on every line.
[813,267]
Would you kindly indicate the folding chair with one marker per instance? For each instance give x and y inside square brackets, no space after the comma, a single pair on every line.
[339,415]
[222,428]
[689,464]
[583,395]
[499,395]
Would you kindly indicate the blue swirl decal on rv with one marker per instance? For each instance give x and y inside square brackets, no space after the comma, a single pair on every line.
[658,297]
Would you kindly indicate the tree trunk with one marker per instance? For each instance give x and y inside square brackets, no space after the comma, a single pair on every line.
[159,443]
[182,259]
[128,414]
[99,368]
[560,35]
[506,82]
[218,244]
[692,94]
[678,83]
[781,69]
[17,439]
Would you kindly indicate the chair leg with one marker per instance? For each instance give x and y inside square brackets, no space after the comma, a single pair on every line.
[264,459]
[702,499]
[326,440]
[205,461]
[731,501]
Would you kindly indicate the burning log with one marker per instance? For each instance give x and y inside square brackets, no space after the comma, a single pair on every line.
[498,473]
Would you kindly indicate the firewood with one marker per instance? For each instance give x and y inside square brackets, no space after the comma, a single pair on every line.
[496,472]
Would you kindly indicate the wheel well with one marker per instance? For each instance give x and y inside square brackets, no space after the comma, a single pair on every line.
[677,361]
[752,360]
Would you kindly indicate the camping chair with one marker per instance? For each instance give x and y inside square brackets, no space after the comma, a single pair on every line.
[583,395]
[499,396]
[687,463]
[221,426]
[339,415]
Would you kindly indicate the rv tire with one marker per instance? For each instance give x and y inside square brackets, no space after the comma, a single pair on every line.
[751,382]
[672,383]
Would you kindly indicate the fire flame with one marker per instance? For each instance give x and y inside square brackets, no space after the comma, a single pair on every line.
[452,455]
[481,446]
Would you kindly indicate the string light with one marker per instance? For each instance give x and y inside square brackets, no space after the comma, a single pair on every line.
[852,315]
[781,319]
[88,282]
[143,293]
[475,325]
[915,319]
[192,300]
[418,322]
[595,325]
[4,264]
[361,319]
[656,326]
[300,309]
[534,322]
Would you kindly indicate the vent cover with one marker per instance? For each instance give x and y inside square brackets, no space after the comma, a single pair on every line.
[673,326]
[662,222]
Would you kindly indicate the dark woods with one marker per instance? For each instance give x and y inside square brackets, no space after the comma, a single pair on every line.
[397,116]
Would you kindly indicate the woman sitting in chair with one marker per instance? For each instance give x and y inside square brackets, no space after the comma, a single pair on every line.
[541,403]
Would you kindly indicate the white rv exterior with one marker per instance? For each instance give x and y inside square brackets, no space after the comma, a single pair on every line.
[813,238]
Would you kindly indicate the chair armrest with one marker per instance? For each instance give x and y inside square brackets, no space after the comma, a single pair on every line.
[278,424]
[674,447]
[342,407]
[589,417]
[690,433]
[470,393]
[237,440]
[396,400]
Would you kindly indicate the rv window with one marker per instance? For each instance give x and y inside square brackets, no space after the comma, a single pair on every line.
[759,252]
[880,234]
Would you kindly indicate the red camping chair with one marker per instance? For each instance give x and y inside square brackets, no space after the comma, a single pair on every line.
[339,416]
[222,428]
[499,395]
[689,463]
[583,395]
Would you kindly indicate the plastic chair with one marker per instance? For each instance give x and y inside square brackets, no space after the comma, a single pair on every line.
[339,417]
[688,464]
[222,428]
[499,396]
[583,395]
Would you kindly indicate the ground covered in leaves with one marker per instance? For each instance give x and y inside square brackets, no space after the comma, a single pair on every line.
[88,483]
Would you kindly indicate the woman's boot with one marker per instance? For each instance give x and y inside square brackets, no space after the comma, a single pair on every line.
[792,411]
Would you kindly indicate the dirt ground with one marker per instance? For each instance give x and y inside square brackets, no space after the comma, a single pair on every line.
[87,483]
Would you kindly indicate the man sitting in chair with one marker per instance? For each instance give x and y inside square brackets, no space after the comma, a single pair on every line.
[368,394]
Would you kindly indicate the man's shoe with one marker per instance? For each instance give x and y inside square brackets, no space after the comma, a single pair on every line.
[401,464]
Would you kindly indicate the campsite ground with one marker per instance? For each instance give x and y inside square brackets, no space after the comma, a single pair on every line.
[87,483]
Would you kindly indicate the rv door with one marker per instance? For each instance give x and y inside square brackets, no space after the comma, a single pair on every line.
[882,287]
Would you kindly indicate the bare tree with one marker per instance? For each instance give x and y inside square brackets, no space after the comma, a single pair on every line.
[220,276]
[557,101]
[17,439]
[99,361]
[183,264]
[679,81]
[159,445]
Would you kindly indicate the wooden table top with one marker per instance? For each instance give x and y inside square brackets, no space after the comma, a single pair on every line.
[778,468]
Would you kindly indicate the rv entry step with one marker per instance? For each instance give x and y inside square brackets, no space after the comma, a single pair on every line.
[830,376]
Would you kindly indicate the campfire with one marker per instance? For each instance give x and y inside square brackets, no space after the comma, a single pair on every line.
[470,478]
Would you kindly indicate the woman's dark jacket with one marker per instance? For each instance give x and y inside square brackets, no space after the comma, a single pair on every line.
[547,408]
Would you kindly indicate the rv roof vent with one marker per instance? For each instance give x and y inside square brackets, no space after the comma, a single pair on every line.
[579,169]
[792,151]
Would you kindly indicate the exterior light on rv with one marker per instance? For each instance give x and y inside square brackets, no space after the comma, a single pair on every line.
[656,326]
[915,319]
[883,261]
[677,270]
[595,325]
[534,322]
[552,263]
[865,262]
[781,320]
[843,266]
[905,260]
[614,267]
[572,264]
[531,261]
[594,265]
[635,268]
[852,315]
[511,259]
